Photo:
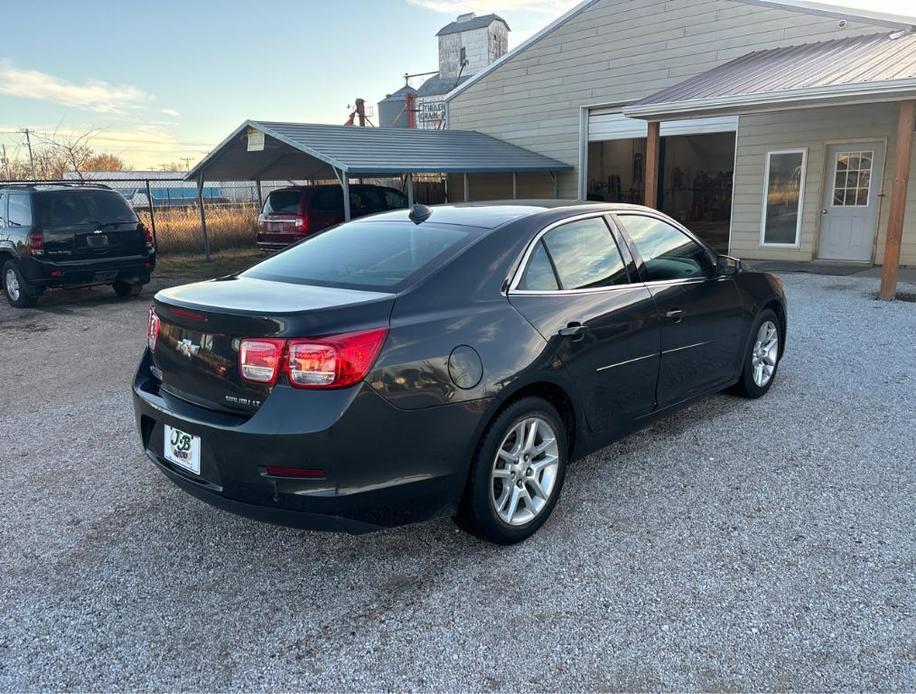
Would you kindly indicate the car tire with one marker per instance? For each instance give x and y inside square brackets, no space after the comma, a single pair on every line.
[761,359]
[514,481]
[127,289]
[19,293]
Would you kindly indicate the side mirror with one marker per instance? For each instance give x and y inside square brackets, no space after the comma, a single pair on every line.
[726,265]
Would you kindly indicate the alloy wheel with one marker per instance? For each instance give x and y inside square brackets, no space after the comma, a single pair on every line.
[524,471]
[765,353]
[11,282]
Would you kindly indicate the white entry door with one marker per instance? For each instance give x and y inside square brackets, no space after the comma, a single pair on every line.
[850,213]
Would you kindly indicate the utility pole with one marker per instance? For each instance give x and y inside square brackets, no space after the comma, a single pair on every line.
[28,142]
[187,162]
[6,164]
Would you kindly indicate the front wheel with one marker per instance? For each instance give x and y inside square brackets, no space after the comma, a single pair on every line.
[517,474]
[762,358]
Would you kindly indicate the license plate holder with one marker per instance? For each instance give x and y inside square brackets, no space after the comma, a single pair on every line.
[97,241]
[182,449]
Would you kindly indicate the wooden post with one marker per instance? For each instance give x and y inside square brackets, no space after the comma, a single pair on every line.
[152,213]
[260,195]
[467,189]
[556,183]
[653,143]
[203,215]
[904,157]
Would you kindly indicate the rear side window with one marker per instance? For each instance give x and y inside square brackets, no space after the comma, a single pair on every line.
[283,202]
[539,275]
[326,200]
[585,255]
[365,255]
[20,211]
[2,210]
[667,252]
[64,207]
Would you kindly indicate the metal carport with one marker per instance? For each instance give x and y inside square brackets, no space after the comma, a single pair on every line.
[259,150]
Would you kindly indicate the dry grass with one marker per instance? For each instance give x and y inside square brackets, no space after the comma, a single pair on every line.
[228,226]
[194,266]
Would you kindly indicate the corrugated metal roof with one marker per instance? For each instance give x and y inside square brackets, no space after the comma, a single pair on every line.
[860,65]
[305,150]
[440,85]
[471,24]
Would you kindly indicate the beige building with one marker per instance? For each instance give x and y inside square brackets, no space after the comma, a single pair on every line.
[770,127]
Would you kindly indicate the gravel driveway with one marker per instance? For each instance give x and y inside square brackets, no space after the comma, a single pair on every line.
[738,545]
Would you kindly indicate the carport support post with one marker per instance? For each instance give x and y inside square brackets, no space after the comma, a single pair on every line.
[203,215]
[904,157]
[410,198]
[260,195]
[514,185]
[345,184]
[467,189]
[653,142]
[152,213]
[555,177]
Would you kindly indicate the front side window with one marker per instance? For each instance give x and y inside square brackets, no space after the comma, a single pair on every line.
[19,213]
[784,190]
[667,252]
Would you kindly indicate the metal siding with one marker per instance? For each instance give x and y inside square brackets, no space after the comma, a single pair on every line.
[612,52]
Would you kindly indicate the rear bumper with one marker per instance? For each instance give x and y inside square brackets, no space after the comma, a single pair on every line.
[56,273]
[384,466]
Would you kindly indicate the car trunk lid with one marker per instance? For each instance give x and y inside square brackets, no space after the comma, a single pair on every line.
[202,326]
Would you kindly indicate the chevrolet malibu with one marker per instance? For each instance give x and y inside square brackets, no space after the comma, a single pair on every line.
[444,361]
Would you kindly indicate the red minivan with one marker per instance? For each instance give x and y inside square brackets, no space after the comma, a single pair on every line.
[291,213]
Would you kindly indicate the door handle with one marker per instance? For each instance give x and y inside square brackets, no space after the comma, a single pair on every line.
[675,315]
[573,330]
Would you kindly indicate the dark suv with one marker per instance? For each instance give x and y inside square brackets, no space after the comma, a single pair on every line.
[70,235]
[291,213]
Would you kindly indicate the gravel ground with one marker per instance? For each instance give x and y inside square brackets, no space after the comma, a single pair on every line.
[736,545]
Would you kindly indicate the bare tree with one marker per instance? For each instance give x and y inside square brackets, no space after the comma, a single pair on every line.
[73,149]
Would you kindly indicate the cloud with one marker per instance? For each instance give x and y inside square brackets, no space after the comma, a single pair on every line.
[169,112]
[547,7]
[92,95]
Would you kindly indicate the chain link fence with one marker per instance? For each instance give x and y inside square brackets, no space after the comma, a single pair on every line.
[170,206]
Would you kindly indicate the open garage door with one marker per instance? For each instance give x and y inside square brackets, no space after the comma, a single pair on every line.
[696,167]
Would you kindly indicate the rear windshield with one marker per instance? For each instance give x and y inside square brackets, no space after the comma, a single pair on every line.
[283,202]
[365,255]
[65,207]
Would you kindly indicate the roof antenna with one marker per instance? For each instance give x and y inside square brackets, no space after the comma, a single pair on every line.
[419,213]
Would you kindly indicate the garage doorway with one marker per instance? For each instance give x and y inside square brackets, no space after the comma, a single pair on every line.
[696,166]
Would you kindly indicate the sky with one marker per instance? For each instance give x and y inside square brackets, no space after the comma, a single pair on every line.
[163,80]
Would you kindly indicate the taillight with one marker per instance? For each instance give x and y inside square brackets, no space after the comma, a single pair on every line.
[334,362]
[260,359]
[148,237]
[337,361]
[152,329]
[302,224]
[36,242]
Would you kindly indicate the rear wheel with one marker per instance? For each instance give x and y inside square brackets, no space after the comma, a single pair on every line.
[19,293]
[762,358]
[126,289]
[517,474]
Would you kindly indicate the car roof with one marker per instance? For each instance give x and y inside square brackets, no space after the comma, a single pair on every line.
[50,187]
[323,186]
[495,213]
